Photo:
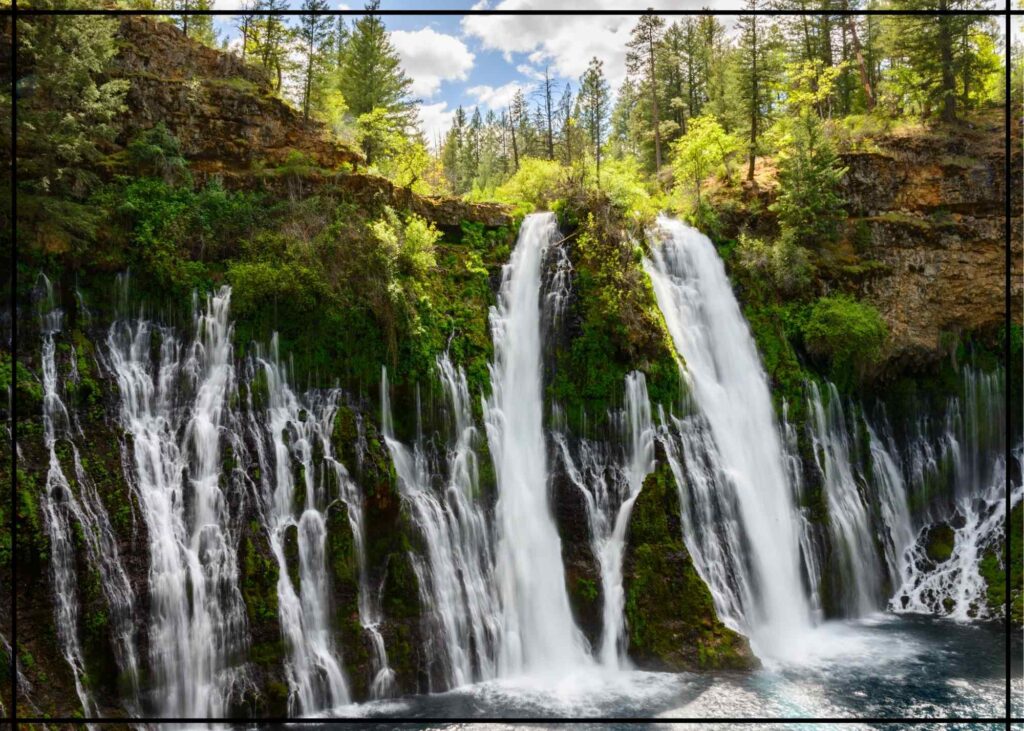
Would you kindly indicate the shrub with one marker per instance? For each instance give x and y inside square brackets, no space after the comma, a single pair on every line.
[850,334]
[785,264]
[537,183]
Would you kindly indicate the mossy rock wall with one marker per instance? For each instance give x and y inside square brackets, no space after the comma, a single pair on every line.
[670,614]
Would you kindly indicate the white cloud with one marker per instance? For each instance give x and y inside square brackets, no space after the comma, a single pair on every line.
[499,97]
[429,57]
[435,119]
[567,42]
[530,72]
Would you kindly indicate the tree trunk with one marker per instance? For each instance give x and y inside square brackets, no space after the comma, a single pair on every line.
[515,147]
[862,69]
[946,60]
[754,106]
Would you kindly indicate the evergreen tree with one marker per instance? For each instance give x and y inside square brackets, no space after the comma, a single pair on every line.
[313,34]
[371,76]
[641,62]
[759,70]
[594,103]
[67,108]
[271,39]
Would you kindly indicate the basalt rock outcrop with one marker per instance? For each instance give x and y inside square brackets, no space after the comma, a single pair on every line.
[927,222]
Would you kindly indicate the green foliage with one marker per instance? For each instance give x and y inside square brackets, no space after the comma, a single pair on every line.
[850,334]
[620,327]
[782,262]
[176,231]
[701,152]
[156,153]
[534,186]
[808,206]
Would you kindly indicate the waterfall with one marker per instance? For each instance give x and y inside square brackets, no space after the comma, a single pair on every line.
[297,432]
[66,506]
[610,487]
[850,522]
[538,631]
[370,615]
[174,410]
[956,474]
[729,386]
[455,580]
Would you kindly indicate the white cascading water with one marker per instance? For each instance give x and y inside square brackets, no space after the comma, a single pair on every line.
[610,488]
[297,432]
[965,462]
[728,384]
[197,615]
[65,506]
[638,433]
[455,577]
[851,527]
[538,631]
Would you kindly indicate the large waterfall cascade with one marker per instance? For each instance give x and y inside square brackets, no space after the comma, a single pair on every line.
[491,577]
[538,630]
[729,386]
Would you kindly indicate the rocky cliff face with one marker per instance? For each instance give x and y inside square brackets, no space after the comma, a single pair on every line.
[927,223]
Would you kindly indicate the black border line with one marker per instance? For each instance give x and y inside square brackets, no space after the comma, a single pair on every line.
[1007,12]
[12,404]
[1008,410]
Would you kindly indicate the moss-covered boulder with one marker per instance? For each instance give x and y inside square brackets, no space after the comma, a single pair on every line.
[993,570]
[939,541]
[670,613]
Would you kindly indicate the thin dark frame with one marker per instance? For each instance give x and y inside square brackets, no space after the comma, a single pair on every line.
[1007,12]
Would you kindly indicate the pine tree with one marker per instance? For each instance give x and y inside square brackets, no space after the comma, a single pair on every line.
[271,38]
[593,102]
[371,76]
[313,34]
[641,62]
[566,125]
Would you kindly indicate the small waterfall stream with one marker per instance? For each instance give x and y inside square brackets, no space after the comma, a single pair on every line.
[197,617]
[455,578]
[851,526]
[66,505]
[299,434]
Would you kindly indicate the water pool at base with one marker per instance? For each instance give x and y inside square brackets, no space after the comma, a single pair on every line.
[887,665]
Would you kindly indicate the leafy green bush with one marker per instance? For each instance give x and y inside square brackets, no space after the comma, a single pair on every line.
[851,335]
[535,185]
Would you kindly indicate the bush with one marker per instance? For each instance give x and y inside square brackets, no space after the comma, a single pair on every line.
[850,334]
[784,263]
[536,184]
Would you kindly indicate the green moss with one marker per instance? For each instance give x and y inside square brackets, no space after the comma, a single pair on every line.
[620,327]
[993,572]
[669,609]
[850,334]
[939,543]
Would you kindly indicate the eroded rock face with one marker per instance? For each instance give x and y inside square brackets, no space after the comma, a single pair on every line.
[230,125]
[221,110]
[927,211]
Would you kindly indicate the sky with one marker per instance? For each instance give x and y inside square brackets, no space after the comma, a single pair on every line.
[482,60]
